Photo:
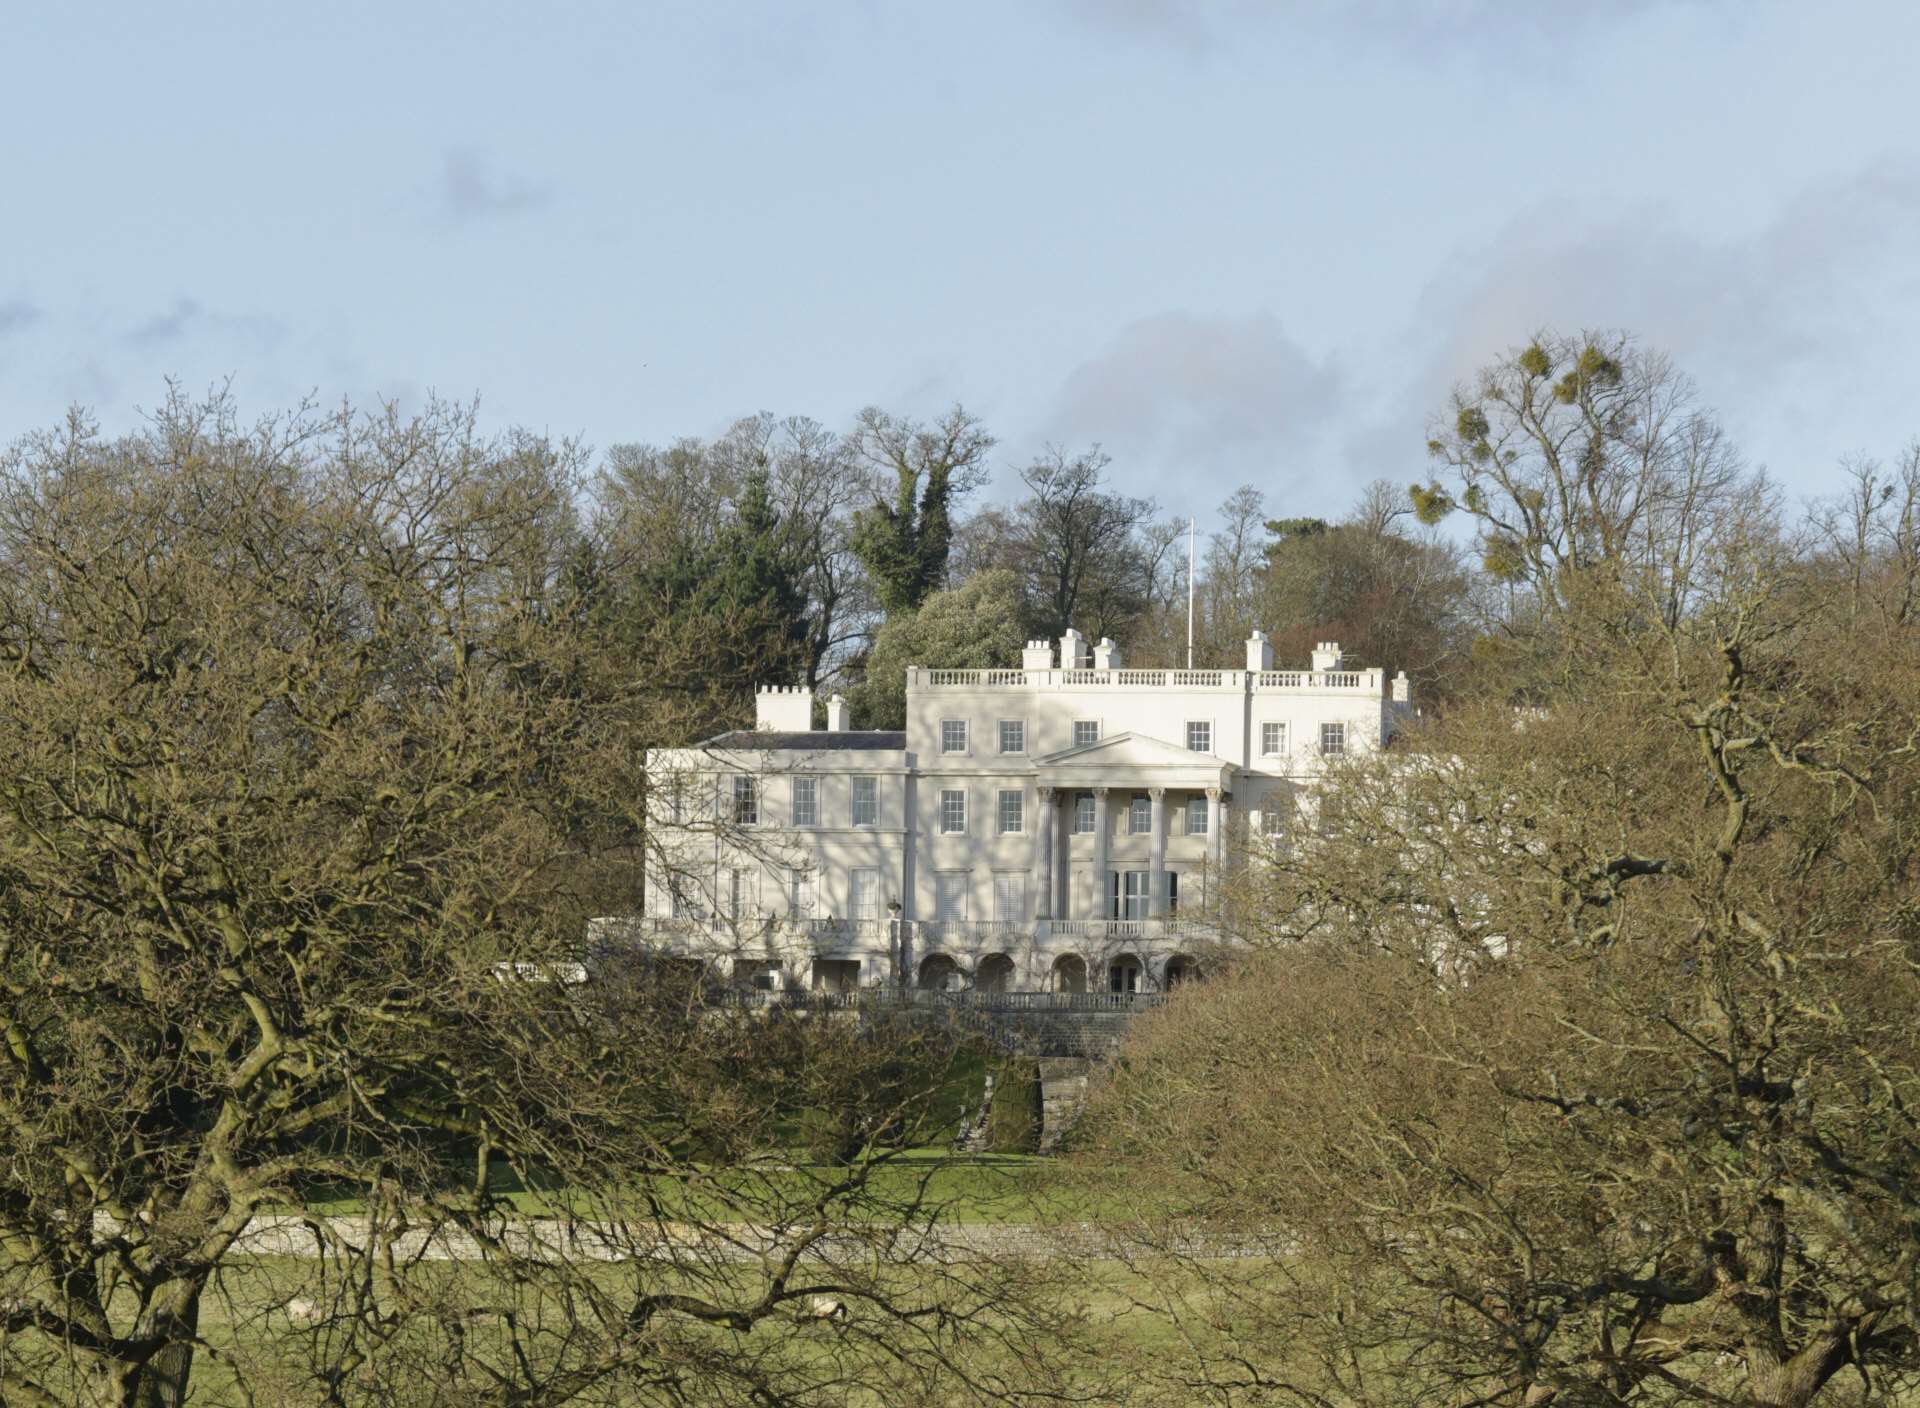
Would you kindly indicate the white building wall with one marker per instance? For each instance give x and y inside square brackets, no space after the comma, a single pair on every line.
[1142,719]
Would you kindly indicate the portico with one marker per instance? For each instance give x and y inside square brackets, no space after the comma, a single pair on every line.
[1077,786]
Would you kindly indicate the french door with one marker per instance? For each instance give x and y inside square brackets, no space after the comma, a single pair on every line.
[1010,898]
[1128,891]
[863,893]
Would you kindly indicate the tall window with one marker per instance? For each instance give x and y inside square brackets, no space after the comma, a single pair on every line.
[1012,813]
[953,735]
[1083,813]
[950,896]
[1200,738]
[746,802]
[1010,898]
[1085,731]
[1196,816]
[806,809]
[677,799]
[1333,738]
[800,891]
[953,812]
[739,894]
[866,801]
[1274,811]
[863,893]
[1140,815]
[1013,735]
[1273,739]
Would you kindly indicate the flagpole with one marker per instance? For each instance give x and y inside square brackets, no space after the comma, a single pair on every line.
[1189,593]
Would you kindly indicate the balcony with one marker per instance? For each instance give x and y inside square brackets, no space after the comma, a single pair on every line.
[1107,930]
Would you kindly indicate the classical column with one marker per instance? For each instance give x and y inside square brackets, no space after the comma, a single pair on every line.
[1100,881]
[1061,820]
[1216,843]
[1043,859]
[1157,865]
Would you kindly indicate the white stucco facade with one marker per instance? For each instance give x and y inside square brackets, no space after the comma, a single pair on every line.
[1061,823]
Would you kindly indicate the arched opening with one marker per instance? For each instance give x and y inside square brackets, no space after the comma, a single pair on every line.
[995,974]
[938,973]
[1069,973]
[1182,968]
[1124,974]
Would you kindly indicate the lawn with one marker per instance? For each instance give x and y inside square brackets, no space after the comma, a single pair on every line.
[266,1327]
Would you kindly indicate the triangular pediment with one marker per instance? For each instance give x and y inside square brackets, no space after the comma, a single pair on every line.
[1130,750]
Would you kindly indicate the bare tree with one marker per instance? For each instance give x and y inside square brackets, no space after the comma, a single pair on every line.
[1579,1064]
[312,764]
[1873,533]
[1233,561]
[1076,546]
[1584,456]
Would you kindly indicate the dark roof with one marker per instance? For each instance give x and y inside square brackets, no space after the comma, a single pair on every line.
[878,740]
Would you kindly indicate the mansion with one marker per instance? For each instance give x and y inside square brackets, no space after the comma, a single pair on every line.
[1057,825]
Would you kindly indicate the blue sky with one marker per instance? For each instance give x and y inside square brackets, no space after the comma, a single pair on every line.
[1235,242]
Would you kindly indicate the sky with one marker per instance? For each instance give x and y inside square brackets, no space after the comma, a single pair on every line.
[1231,242]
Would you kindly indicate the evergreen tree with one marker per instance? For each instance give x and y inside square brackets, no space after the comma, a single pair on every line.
[728,612]
[757,572]
[975,626]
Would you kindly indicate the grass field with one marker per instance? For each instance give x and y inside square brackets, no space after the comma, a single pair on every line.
[265,1326]
[966,1188]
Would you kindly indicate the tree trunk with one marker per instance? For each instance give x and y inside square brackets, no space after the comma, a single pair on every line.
[1792,1383]
[174,1314]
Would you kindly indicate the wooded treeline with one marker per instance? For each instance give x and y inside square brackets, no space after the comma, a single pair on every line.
[804,556]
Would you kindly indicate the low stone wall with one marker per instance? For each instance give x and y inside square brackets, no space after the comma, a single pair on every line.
[1063,1095]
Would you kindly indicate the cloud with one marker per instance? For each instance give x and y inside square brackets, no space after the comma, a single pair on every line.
[189,321]
[469,189]
[166,327]
[1798,331]
[18,313]
[1200,27]
[1225,396]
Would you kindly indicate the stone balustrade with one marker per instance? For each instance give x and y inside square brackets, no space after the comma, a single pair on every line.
[925,680]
